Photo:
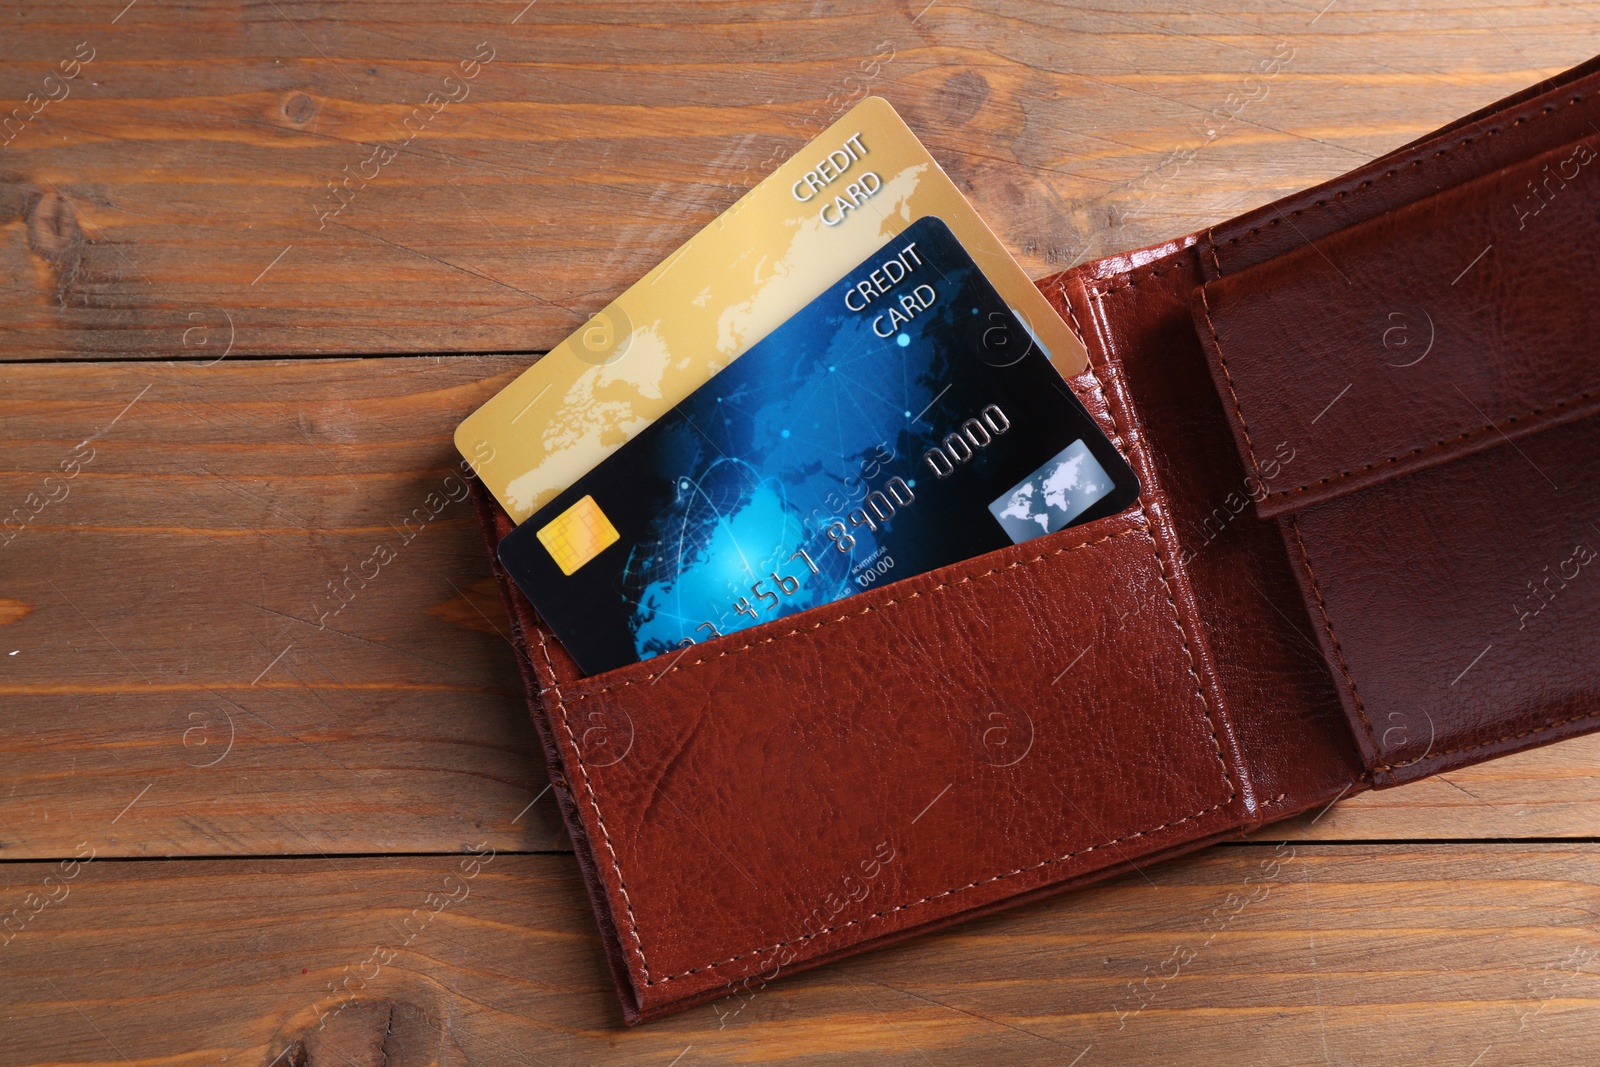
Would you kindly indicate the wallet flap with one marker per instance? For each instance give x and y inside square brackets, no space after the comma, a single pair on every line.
[1457,323]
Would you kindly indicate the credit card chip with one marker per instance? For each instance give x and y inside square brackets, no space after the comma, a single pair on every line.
[578,535]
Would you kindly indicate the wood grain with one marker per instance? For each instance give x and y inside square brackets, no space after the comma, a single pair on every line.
[176,597]
[183,178]
[1346,954]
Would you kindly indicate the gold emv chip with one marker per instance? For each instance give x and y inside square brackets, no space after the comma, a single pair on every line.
[578,535]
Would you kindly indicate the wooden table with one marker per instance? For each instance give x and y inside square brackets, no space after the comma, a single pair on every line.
[220,395]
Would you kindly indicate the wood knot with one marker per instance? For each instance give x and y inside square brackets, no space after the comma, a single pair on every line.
[299,108]
[366,1033]
[961,96]
[55,236]
[53,229]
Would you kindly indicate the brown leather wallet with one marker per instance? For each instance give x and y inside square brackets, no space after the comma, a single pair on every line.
[1363,420]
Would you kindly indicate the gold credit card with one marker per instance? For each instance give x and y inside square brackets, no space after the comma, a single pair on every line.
[862,181]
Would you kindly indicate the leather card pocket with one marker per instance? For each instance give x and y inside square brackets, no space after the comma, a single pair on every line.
[891,762]
[910,754]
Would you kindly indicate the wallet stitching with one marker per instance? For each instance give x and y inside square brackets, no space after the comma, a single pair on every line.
[1233,393]
[1072,316]
[1099,390]
[1497,427]
[1338,650]
[857,614]
[1177,621]
[1316,587]
[1129,279]
[594,804]
[1116,431]
[948,892]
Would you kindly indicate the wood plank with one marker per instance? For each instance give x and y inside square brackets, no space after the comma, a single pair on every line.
[1346,954]
[176,594]
[182,180]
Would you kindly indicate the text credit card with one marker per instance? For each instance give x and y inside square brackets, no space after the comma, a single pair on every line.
[862,181]
[901,421]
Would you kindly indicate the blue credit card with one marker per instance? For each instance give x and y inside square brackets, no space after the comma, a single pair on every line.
[903,420]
